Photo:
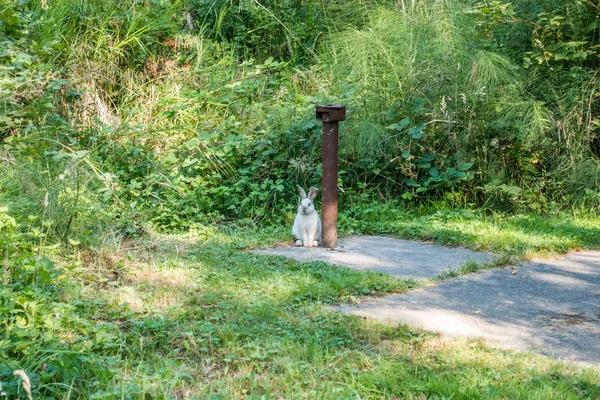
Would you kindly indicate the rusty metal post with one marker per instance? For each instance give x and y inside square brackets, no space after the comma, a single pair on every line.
[330,114]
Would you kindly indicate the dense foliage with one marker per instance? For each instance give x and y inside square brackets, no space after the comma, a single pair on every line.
[178,112]
[119,117]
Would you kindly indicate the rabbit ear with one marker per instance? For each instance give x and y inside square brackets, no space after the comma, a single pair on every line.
[312,193]
[301,191]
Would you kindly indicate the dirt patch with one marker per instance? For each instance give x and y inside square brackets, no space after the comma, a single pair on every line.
[572,318]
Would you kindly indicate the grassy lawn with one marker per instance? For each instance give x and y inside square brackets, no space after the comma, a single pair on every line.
[197,316]
[518,236]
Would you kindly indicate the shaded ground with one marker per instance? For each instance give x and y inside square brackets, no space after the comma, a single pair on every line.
[547,306]
[551,307]
[400,258]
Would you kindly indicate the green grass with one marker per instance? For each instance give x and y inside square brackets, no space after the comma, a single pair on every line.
[198,316]
[473,266]
[116,117]
[513,238]
[518,236]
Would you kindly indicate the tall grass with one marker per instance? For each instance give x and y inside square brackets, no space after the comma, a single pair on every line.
[436,111]
[418,61]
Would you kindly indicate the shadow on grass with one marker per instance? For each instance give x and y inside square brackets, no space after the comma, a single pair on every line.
[240,335]
[303,351]
[256,326]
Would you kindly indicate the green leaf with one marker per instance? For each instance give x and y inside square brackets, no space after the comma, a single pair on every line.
[24,58]
[45,263]
[434,172]
[465,166]
[415,132]
[398,126]
[419,105]
[103,337]
[514,190]
[192,144]
[78,155]
[170,158]
[405,153]
[207,136]
[44,268]
[9,18]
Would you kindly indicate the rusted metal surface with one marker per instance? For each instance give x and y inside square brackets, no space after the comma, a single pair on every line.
[330,114]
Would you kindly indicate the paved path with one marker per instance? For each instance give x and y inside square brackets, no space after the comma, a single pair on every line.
[551,307]
[400,258]
[548,306]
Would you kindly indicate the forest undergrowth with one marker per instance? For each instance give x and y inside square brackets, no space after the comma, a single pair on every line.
[471,123]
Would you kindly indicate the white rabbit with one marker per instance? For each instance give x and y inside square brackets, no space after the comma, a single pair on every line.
[307,225]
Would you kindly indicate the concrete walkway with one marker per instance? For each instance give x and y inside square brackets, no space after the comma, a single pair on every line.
[550,307]
[547,306]
[400,258]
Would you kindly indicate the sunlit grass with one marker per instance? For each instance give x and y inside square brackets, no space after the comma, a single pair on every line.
[520,236]
[212,318]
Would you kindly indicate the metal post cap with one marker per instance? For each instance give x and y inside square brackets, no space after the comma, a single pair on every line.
[331,112]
